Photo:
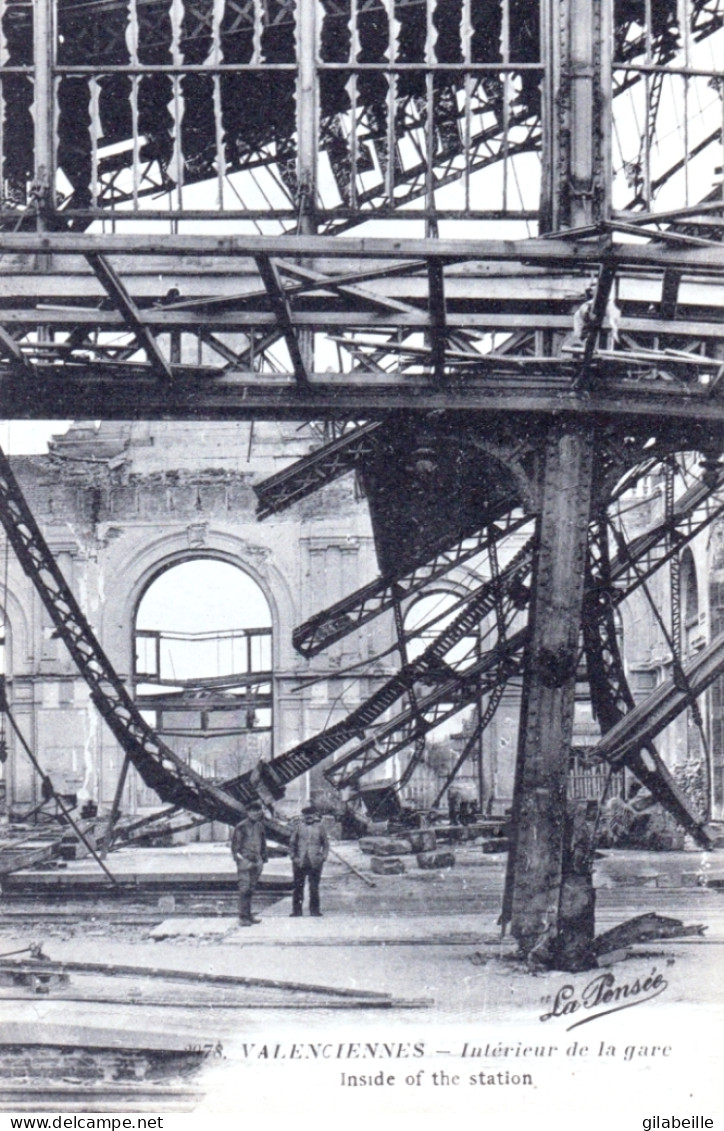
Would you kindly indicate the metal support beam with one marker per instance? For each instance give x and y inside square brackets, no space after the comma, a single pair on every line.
[283,314]
[124,391]
[670,294]
[538,823]
[599,303]
[115,806]
[121,299]
[436,308]
[361,607]
[307,115]
[495,667]
[577,99]
[11,349]
[311,472]
[43,105]
[648,719]
[611,696]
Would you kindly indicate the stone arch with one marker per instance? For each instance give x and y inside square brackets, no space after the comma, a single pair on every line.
[168,567]
[146,562]
[130,570]
[203,667]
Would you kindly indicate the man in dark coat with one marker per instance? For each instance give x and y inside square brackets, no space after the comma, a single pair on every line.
[308,848]
[248,847]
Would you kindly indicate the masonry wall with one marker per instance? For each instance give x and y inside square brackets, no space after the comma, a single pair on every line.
[121,503]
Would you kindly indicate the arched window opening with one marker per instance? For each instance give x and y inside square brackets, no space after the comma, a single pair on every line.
[203,665]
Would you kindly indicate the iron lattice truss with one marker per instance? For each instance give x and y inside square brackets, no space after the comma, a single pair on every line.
[159,766]
[444,678]
[453,223]
[439,686]
[408,97]
[467,326]
[154,98]
[285,120]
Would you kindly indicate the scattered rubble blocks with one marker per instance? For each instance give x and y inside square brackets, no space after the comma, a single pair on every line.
[442,859]
[387,865]
[422,840]
[384,846]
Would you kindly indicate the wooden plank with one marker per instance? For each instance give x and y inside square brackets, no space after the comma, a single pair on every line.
[663,236]
[197,977]
[134,998]
[208,281]
[330,283]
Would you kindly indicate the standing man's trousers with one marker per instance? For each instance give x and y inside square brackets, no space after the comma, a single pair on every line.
[248,877]
[312,873]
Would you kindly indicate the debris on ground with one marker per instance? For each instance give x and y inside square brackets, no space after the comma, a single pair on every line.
[433,860]
[644,928]
[387,865]
[384,846]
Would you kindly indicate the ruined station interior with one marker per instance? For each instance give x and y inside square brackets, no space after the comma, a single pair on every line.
[362,449]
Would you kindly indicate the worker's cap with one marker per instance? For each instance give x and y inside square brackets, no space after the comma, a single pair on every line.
[309,811]
[255,807]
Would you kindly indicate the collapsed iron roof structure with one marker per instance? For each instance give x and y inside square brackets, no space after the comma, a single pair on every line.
[463,234]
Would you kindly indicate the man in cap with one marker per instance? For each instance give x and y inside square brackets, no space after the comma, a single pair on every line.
[248,847]
[308,848]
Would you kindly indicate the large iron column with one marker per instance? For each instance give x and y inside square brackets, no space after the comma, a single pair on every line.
[540,829]
[549,893]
